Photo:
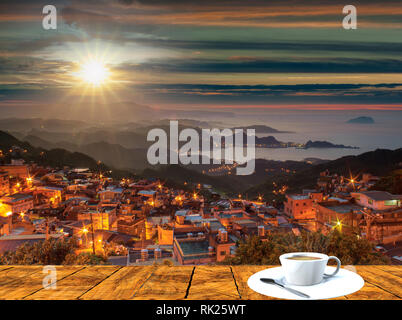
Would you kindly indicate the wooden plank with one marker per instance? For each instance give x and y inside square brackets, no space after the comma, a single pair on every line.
[5,267]
[241,274]
[19,281]
[371,292]
[166,283]
[76,284]
[395,270]
[121,285]
[213,283]
[382,279]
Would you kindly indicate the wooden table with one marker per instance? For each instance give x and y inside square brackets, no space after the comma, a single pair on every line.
[169,283]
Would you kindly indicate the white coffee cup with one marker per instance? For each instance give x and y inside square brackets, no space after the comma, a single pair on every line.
[306,272]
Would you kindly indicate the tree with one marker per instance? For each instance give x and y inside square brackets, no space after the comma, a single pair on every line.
[348,248]
[84,258]
[49,252]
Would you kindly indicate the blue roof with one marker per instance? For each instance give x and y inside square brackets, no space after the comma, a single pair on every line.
[51,188]
[181,212]
[230,215]
[194,247]
[17,197]
[194,217]
[147,192]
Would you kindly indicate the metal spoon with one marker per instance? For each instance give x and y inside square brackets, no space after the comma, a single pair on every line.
[272,281]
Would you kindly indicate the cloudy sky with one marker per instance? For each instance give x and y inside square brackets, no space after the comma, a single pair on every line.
[203,54]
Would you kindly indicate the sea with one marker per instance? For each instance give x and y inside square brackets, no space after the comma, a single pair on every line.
[329,125]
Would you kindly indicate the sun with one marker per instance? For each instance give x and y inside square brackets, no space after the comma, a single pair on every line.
[94,73]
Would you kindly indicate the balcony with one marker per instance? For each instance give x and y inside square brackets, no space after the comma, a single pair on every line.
[169,283]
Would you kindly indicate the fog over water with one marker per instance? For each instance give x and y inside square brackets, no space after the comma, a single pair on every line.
[331,126]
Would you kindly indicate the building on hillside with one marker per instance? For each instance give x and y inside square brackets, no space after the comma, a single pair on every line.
[134,227]
[202,247]
[16,171]
[110,194]
[299,206]
[193,248]
[377,200]
[383,227]
[4,183]
[165,234]
[53,195]
[17,203]
[335,214]
[102,219]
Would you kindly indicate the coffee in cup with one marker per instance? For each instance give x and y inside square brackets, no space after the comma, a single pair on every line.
[306,268]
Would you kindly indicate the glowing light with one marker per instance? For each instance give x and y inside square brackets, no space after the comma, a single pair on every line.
[338,224]
[9,213]
[94,72]
[85,230]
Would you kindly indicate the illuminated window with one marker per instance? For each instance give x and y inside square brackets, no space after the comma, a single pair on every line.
[390,202]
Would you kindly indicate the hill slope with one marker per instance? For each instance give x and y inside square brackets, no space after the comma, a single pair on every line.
[379,162]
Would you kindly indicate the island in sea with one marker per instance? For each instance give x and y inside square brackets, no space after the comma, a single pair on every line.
[272,142]
[362,120]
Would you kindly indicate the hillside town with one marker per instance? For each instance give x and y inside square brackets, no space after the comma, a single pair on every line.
[143,221]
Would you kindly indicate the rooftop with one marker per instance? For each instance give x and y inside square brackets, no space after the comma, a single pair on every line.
[299,197]
[343,208]
[379,195]
[16,197]
[190,247]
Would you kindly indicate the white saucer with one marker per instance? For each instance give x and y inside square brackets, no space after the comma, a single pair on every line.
[344,283]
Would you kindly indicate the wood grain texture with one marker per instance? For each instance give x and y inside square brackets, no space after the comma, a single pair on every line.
[2,268]
[213,283]
[18,282]
[381,279]
[395,270]
[166,283]
[371,292]
[76,284]
[241,274]
[121,285]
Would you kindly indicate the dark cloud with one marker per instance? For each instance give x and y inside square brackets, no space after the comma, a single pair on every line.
[278,94]
[324,65]
[334,46]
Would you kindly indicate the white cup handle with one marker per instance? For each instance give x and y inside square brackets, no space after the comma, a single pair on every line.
[338,265]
